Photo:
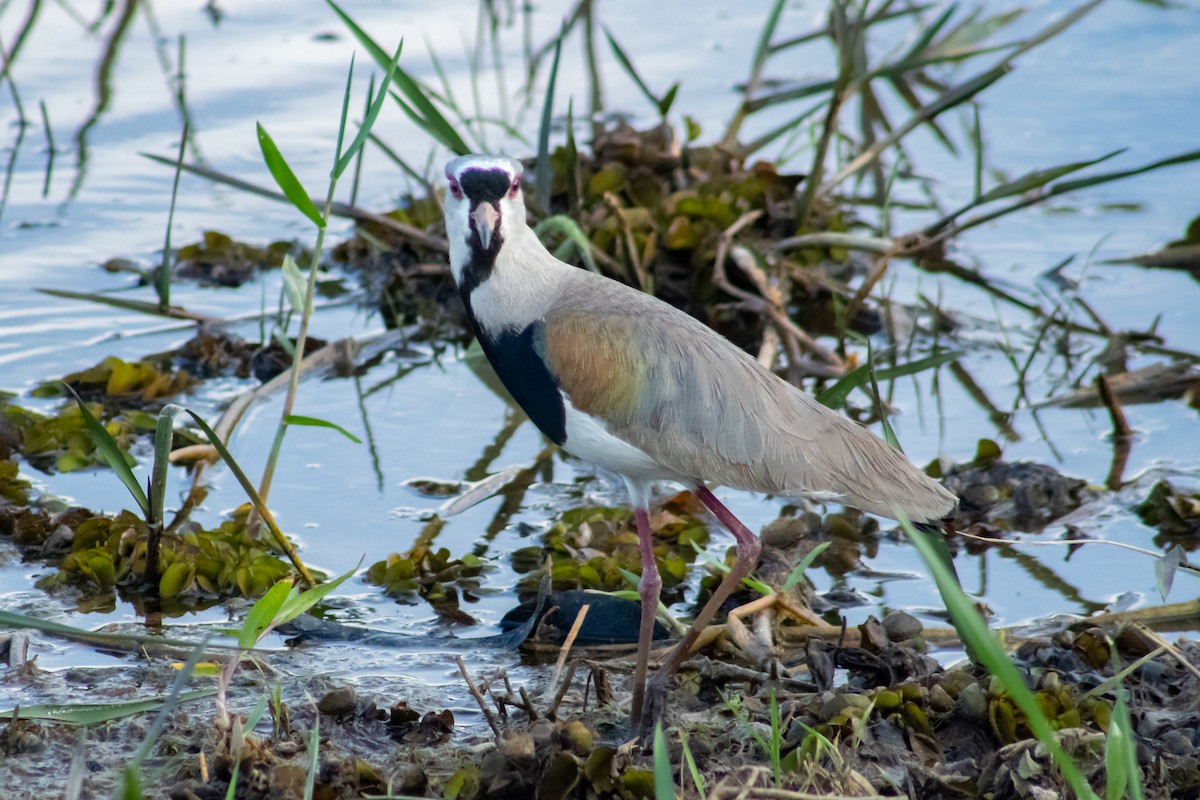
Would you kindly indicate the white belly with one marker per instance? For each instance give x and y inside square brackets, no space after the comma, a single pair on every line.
[588,438]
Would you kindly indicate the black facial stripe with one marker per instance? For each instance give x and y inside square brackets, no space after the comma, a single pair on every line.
[479,264]
[484,185]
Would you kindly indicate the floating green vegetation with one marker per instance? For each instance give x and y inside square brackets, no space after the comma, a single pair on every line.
[596,547]
[122,395]
[60,441]
[113,381]
[14,490]
[218,260]
[426,572]
[102,556]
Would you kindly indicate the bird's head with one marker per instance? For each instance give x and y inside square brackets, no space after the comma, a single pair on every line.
[484,207]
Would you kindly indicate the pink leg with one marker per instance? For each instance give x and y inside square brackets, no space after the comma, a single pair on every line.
[748,549]
[649,588]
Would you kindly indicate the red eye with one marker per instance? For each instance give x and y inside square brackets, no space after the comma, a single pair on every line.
[515,188]
[455,190]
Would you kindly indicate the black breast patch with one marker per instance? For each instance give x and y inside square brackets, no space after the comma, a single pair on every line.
[516,357]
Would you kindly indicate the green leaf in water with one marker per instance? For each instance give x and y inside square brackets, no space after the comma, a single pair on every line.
[314,422]
[286,179]
[112,453]
[94,713]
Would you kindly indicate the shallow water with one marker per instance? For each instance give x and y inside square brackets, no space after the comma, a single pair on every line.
[286,69]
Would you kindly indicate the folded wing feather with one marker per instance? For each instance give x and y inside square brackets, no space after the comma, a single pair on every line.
[699,406]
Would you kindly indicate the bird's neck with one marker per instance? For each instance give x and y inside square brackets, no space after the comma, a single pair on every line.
[512,287]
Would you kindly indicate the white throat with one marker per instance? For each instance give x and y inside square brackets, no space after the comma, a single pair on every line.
[523,285]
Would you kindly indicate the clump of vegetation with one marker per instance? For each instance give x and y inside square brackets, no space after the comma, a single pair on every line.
[429,573]
[1175,514]
[597,548]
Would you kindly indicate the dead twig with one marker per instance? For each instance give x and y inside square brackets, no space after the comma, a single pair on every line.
[566,646]
[474,690]
[1121,429]
[346,210]
[635,261]
[562,692]
[1173,650]
[1122,433]
[788,330]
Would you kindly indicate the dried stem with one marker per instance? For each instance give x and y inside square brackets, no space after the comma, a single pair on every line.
[474,690]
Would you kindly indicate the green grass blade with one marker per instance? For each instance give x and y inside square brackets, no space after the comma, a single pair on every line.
[1096,180]
[697,778]
[568,227]
[295,284]
[1115,745]
[776,741]
[749,580]
[664,778]
[295,605]
[140,306]
[345,115]
[763,48]
[1124,751]
[668,100]
[368,120]
[427,116]
[987,648]
[256,714]
[630,70]
[164,433]
[544,174]
[927,36]
[97,713]
[314,422]
[255,498]
[835,396]
[163,284]
[11,619]
[1040,177]
[889,435]
[263,612]
[112,454]
[286,179]
[130,787]
[798,573]
[314,746]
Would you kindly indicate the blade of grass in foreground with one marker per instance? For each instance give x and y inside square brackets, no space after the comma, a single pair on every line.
[140,306]
[987,648]
[286,179]
[422,110]
[10,619]
[314,422]
[94,713]
[164,433]
[255,498]
[163,284]
[664,778]
[835,396]
[364,130]
[112,453]
[544,173]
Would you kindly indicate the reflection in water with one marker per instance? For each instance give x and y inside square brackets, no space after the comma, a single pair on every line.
[104,71]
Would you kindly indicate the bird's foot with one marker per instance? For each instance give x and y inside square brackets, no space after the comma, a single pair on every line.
[653,706]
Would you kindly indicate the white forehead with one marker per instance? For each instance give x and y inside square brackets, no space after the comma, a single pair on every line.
[483,161]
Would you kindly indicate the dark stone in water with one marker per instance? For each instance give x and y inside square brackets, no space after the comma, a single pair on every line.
[610,620]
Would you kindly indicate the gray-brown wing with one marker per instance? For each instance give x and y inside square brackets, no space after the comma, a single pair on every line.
[698,405]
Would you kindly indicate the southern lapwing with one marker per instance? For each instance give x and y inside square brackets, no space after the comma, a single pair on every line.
[633,385]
